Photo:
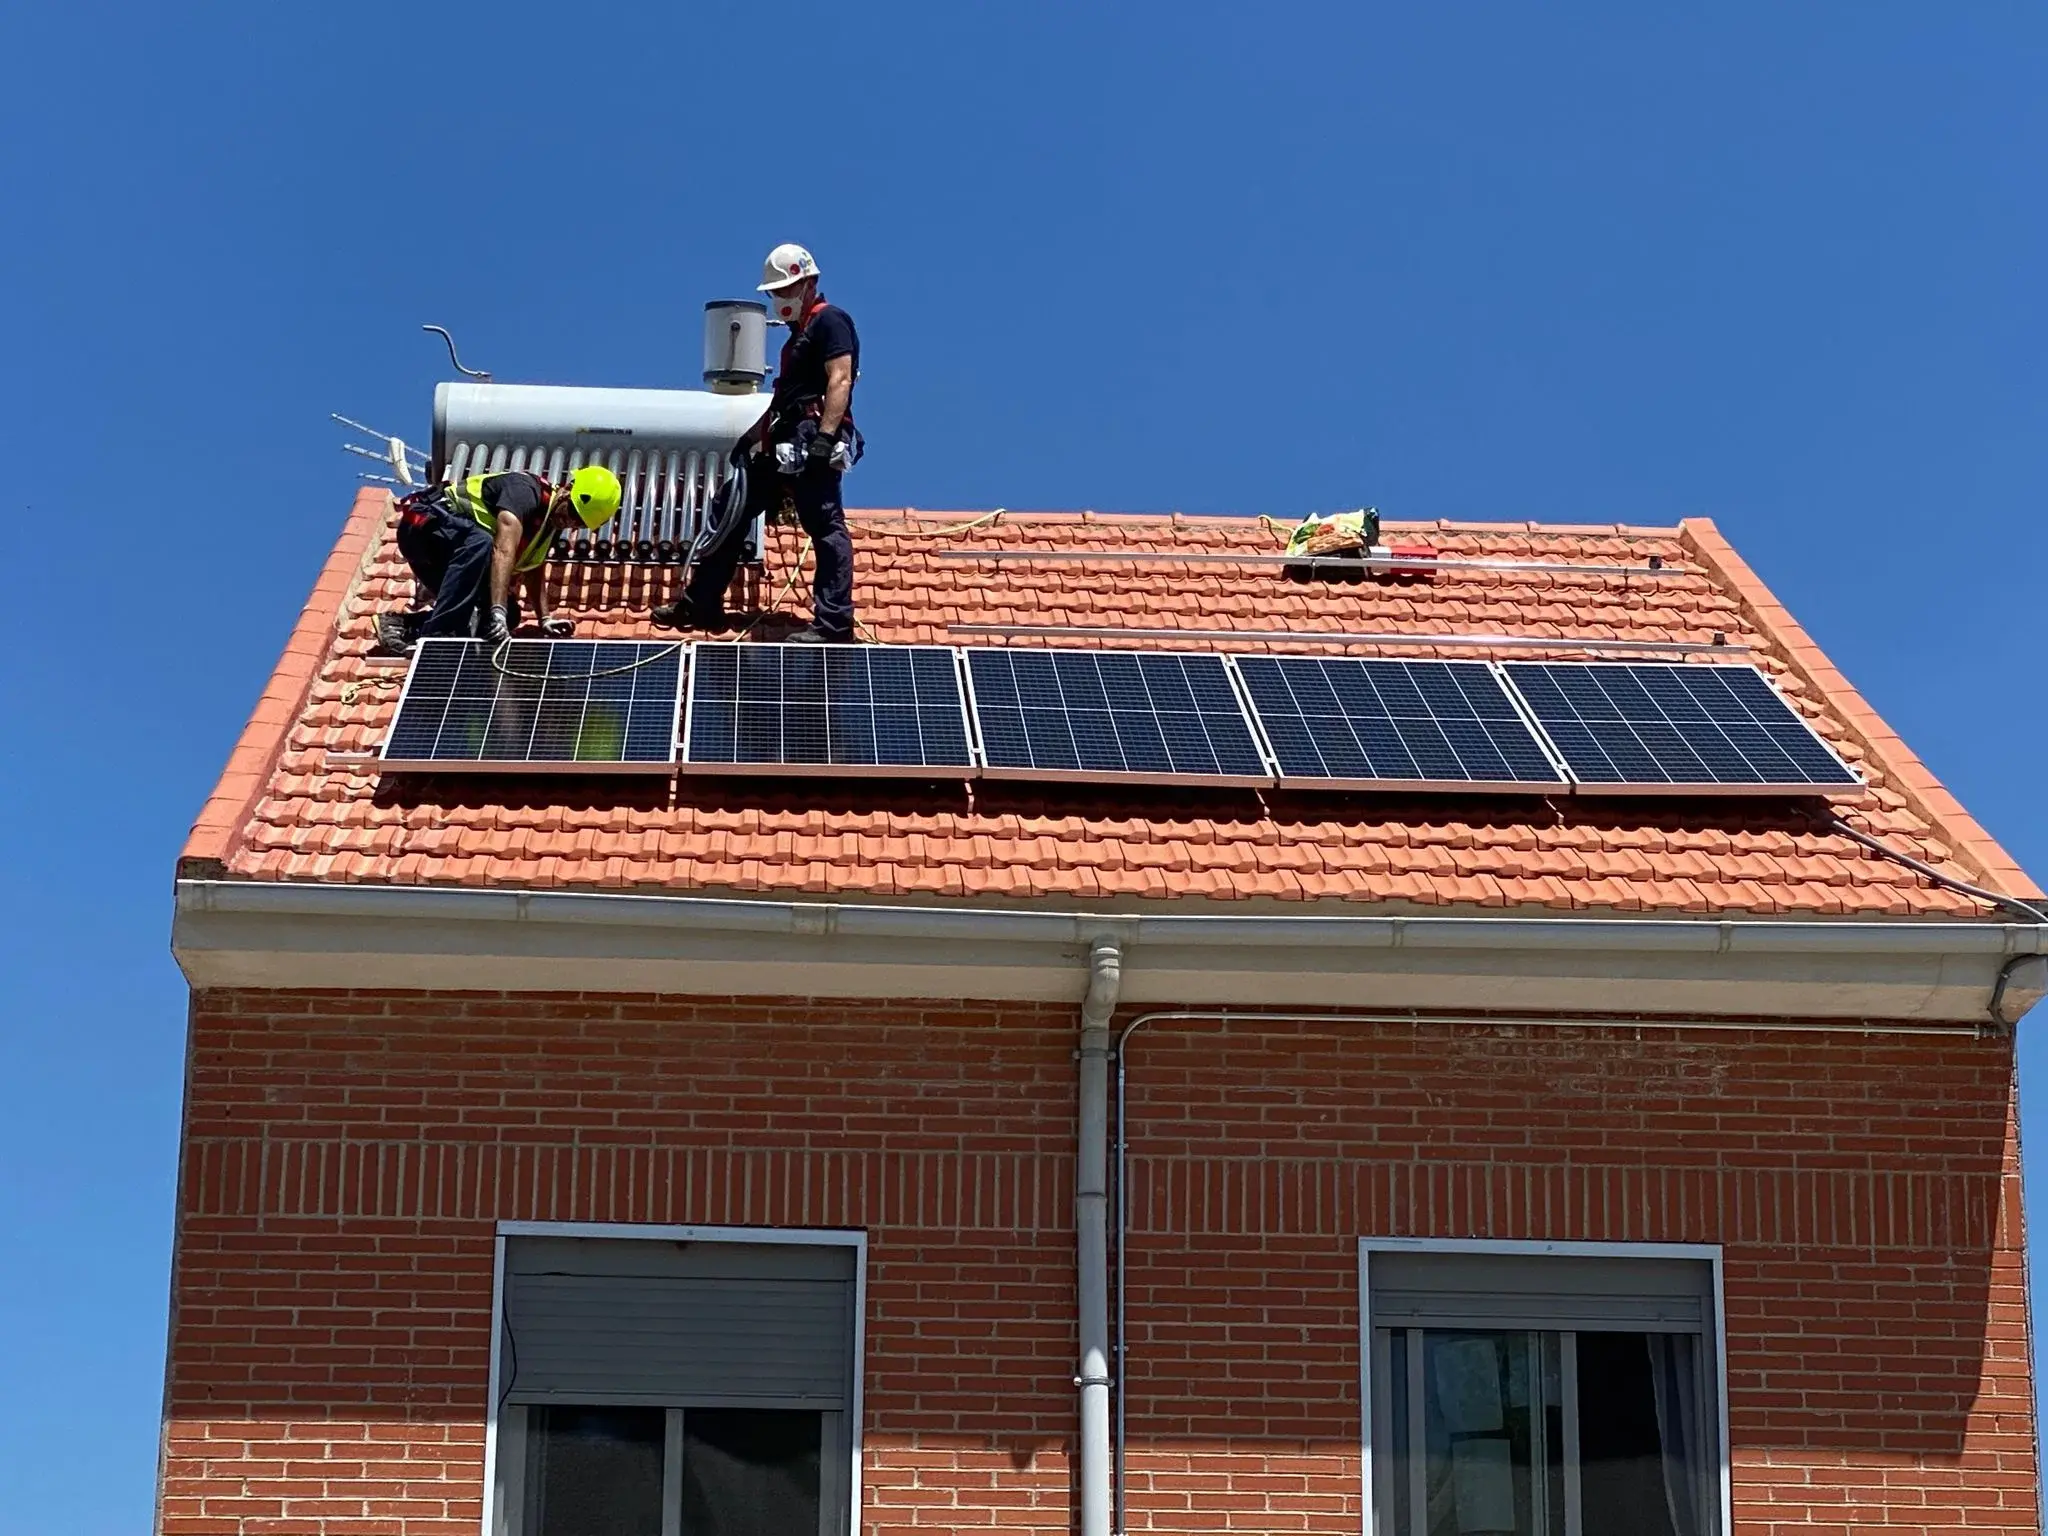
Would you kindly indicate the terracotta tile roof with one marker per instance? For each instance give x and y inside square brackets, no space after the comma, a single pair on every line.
[291,806]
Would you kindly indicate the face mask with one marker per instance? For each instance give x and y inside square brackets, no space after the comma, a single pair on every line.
[785,304]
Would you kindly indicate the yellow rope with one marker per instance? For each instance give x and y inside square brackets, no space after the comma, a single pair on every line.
[795,570]
[947,532]
[349,690]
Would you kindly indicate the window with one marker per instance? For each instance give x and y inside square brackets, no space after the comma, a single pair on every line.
[1561,1392]
[689,1386]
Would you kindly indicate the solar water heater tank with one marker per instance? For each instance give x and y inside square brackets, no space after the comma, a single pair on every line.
[735,346]
[667,446]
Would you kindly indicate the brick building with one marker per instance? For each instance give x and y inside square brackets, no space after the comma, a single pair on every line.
[580,1156]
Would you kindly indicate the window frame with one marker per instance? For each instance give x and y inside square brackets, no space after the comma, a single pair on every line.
[812,1237]
[1621,1253]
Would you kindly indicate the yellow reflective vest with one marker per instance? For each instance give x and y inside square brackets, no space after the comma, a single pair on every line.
[467,496]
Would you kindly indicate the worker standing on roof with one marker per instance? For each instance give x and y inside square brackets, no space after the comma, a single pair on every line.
[801,445]
[466,540]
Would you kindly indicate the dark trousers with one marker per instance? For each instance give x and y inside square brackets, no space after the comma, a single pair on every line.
[816,494]
[452,556]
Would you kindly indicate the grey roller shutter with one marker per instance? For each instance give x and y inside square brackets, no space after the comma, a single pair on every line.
[1484,1291]
[708,1325]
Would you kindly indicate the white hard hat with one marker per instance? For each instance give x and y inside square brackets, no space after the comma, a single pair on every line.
[786,264]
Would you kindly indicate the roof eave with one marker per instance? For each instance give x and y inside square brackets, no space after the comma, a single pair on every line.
[258,934]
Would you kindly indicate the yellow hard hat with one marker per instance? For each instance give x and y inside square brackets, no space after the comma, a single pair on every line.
[594,493]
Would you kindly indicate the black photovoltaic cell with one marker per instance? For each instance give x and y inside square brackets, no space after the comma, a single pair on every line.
[1352,722]
[1636,726]
[559,705]
[1126,716]
[877,709]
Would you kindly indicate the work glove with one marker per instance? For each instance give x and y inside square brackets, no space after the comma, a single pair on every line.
[558,629]
[499,630]
[819,448]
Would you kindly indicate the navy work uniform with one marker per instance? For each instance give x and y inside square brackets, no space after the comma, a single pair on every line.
[824,332]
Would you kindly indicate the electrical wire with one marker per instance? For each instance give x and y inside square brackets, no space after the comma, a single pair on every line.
[512,1347]
[1833,822]
[580,677]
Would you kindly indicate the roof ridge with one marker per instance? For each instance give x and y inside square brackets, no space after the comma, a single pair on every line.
[1972,845]
[217,830]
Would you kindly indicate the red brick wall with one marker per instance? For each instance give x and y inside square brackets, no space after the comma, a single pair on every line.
[347,1154]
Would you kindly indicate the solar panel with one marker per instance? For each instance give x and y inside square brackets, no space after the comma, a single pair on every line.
[1648,727]
[838,709]
[1130,717]
[1345,722]
[538,706]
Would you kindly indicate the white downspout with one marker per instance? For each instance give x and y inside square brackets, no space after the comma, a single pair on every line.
[1091,1234]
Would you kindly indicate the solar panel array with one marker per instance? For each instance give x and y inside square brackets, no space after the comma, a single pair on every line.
[538,706]
[1151,717]
[1112,717]
[1639,727]
[859,709]
[1347,722]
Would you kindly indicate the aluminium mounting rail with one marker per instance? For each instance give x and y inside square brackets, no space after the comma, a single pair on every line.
[1396,563]
[1719,645]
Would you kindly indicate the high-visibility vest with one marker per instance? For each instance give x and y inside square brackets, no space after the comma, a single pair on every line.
[467,495]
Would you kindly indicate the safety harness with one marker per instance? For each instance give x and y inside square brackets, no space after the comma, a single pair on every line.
[465,498]
[782,425]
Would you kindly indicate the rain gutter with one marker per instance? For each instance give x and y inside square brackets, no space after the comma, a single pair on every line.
[276,934]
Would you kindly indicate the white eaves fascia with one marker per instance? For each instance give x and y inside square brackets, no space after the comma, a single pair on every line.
[274,934]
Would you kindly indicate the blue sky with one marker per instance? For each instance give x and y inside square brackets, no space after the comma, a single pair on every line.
[1593,262]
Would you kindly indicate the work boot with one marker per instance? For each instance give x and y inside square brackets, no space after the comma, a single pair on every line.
[811,635]
[393,638]
[682,614]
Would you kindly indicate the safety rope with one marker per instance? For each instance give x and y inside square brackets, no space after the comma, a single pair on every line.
[795,570]
[952,528]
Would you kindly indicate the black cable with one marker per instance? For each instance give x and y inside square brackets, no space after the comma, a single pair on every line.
[512,1347]
[580,677]
[1833,822]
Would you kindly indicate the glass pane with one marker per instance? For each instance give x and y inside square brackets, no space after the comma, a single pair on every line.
[594,1471]
[750,1472]
[1493,1463]
[1641,1451]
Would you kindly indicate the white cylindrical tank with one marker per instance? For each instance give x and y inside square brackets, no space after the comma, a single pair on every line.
[533,414]
[735,346]
[667,446]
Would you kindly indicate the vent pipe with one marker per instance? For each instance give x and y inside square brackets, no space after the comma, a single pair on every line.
[735,346]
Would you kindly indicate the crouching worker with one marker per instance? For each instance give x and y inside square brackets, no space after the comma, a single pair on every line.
[467,540]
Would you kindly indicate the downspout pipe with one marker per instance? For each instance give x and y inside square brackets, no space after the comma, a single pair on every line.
[1091,1234]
